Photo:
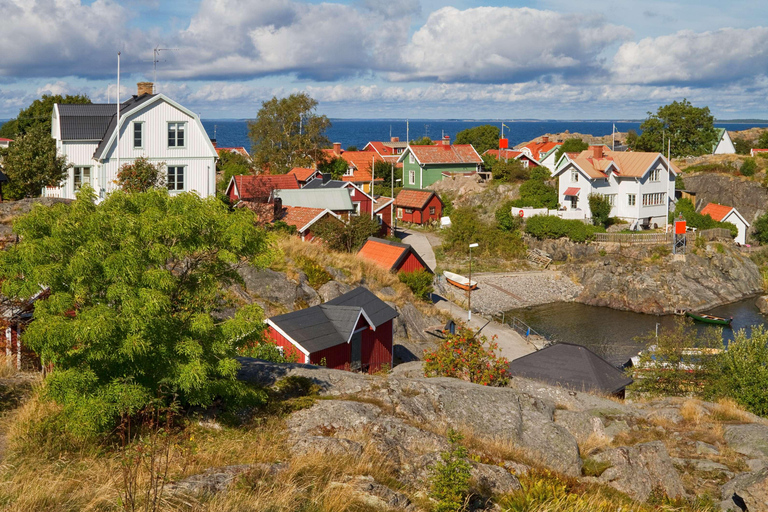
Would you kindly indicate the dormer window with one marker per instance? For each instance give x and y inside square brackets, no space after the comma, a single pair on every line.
[350,172]
[654,175]
[574,176]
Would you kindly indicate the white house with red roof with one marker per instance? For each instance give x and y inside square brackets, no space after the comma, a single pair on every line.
[4,143]
[425,165]
[389,151]
[543,152]
[723,213]
[511,154]
[638,185]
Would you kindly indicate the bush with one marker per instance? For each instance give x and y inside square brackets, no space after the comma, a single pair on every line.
[316,274]
[449,485]
[469,357]
[749,167]
[420,283]
[348,237]
[267,351]
[506,220]
[467,227]
[742,371]
[679,182]
[140,176]
[505,172]
[600,207]
[760,226]
[546,227]
[535,193]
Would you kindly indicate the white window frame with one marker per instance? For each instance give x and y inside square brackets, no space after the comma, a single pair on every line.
[631,199]
[78,175]
[410,158]
[399,213]
[175,181]
[654,175]
[140,125]
[574,202]
[574,176]
[654,199]
[411,177]
[176,144]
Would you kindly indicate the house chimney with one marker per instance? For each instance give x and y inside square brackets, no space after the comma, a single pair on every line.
[146,88]
[545,139]
[446,140]
[277,209]
[337,148]
[394,139]
[597,152]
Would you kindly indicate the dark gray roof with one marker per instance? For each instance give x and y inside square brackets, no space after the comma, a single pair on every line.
[331,324]
[85,122]
[132,103]
[571,366]
[318,183]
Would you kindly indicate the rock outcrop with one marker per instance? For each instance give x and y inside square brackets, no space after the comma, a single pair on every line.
[748,196]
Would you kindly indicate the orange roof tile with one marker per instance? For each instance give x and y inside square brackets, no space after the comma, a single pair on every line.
[446,154]
[628,164]
[382,253]
[302,173]
[261,186]
[540,148]
[717,211]
[300,216]
[411,198]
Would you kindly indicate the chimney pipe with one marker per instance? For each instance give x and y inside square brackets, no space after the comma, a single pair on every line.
[337,148]
[446,140]
[597,152]
[394,139]
[277,209]
[146,88]
[213,141]
[545,139]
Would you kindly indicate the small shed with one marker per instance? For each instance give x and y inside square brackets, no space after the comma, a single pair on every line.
[393,256]
[418,206]
[723,213]
[574,367]
[350,332]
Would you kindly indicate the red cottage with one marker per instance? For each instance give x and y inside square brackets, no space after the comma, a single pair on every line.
[258,188]
[304,174]
[303,219]
[350,332]
[392,256]
[418,206]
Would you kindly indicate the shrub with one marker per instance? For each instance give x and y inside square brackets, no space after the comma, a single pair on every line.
[267,351]
[761,229]
[506,220]
[696,220]
[348,237]
[600,207]
[469,357]
[546,227]
[449,485]
[141,175]
[467,227]
[420,283]
[722,167]
[505,172]
[679,182]
[316,274]
[749,167]
[535,193]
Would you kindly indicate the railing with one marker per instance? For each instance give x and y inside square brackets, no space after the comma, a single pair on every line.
[523,329]
[634,238]
[53,192]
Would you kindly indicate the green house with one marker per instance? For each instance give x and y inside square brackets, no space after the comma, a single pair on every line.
[425,165]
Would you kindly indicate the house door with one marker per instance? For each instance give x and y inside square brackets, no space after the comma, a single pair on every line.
[356,351]
[574,202]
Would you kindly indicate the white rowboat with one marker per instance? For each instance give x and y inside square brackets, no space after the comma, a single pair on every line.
[459,281]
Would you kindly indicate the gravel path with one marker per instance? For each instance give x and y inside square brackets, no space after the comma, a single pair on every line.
[421,245]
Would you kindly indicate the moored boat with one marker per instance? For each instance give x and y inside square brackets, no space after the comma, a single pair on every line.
[709,319]
[459,281]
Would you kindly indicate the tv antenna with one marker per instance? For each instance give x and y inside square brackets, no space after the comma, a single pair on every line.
[155,60]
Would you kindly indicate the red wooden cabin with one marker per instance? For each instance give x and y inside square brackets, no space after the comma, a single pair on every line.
[418,206]
[258,188]
[350,332]
[392,256]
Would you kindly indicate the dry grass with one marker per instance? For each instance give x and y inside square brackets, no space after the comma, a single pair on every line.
[7,366]
[727,410]
[592,444]
[693,412]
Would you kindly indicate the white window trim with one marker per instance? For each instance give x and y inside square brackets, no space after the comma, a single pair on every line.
[411,177]
[631,199]
[184,178]
[574,176]
[133,138]
[75,187]
[410,158]
[168,130]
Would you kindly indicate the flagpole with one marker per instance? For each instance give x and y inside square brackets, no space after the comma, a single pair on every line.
[117,144]
[613,136]
[373,170]
[669,169]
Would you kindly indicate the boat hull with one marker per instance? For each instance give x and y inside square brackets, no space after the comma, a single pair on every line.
[709,319]
[460,281]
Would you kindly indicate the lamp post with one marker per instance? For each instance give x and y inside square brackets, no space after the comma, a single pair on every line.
[469,287]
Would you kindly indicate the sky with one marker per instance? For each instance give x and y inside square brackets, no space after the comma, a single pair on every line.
[460,59]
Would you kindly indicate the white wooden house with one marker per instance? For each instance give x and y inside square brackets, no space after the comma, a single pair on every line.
[151,126]
[724,145]
[638,185]
[722,213]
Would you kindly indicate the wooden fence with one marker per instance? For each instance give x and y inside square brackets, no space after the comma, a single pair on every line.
[634,238]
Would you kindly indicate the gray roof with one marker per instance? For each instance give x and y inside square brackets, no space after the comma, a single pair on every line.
[334,199]
[132,103]
[318,183]
[332,323]
[571,366]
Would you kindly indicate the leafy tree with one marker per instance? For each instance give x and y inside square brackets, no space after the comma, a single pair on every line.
[133,285]
[540,173]
[467,227]
[742,146]
[691,130]
[420,283]
[467,356]
[535,193]
[352,148]
[749,167]
[336,167]
[424,141]
[482,137]
[679,182]
[573,145]
[288,133]
[231,164]
[600,207]
[31,163]
[38,114]
[141,175]
[505,172]
[762,142]
[383,171]
[451,476]
[348,237]
[742,371]
[681,362]
[505,219]
[760,226]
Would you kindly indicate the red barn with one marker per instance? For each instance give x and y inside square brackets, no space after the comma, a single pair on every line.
[350,332]
[392,256]
[258,188]
[303,219]
[383,210]
[418,206]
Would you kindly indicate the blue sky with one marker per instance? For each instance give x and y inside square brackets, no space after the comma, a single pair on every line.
[548,59]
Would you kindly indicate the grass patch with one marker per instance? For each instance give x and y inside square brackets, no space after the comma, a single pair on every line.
[592,467]
[728,411]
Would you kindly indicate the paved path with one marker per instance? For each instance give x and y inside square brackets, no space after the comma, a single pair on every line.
[420,244]
[511,344]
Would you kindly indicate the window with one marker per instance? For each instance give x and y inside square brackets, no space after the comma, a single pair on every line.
[631,199]
[176,135]
[574,176]
[410,158]
[654,175]
[574,202]
[399,151]
[349,172]
[654,199]
[431,210]
[82,176]
[412,177]
[138,135]
[611,198]
[357,208]
[525,164]
[380,218]
[409,211]
[176,178]
[399,213]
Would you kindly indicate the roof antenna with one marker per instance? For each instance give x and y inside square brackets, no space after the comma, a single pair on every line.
[155,60]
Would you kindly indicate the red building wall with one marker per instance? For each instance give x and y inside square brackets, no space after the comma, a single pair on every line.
[377,347]
[288,348]
[423,216]
[386,220]
[410,264]
[233,198]
[358,197]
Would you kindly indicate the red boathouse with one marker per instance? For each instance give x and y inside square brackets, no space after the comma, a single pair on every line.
[418,206]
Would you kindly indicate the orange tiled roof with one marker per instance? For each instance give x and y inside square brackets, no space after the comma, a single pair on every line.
[300,216]
[629,164]
[446,154]
[261,186]
[717,211]
[360,161]
[382,253]
[302,173]
[410,198]
[538,149]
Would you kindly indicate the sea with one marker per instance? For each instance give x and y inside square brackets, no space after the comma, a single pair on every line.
[358,132]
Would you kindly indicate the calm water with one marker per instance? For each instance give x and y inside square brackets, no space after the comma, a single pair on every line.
[610,333]
[359,132]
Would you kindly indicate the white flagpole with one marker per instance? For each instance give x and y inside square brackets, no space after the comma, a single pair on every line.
[613,136]
[669,169]
[117,126]
[373,170]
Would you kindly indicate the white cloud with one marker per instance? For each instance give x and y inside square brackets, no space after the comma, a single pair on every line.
[54,89]
[695,58]
[501,44]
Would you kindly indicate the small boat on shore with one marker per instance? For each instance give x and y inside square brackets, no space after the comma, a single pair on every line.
[459,281]
[709,319]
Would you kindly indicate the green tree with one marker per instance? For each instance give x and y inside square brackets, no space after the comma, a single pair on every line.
[141,175]
[469,356]
[133,286]
[383,171]
[535,193]
[424,141]
[694,219]
[749,167]
[505,219]
[467,227]
[451,476]
[570,146]
[347,237]
[31,163]
[742,146]
[691,130]
[505,171]
[231,164]
[760,226]
[38,114]
[742,371]
[336,167]
[762,142]
[482,137]
[600,207]
[288,133]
